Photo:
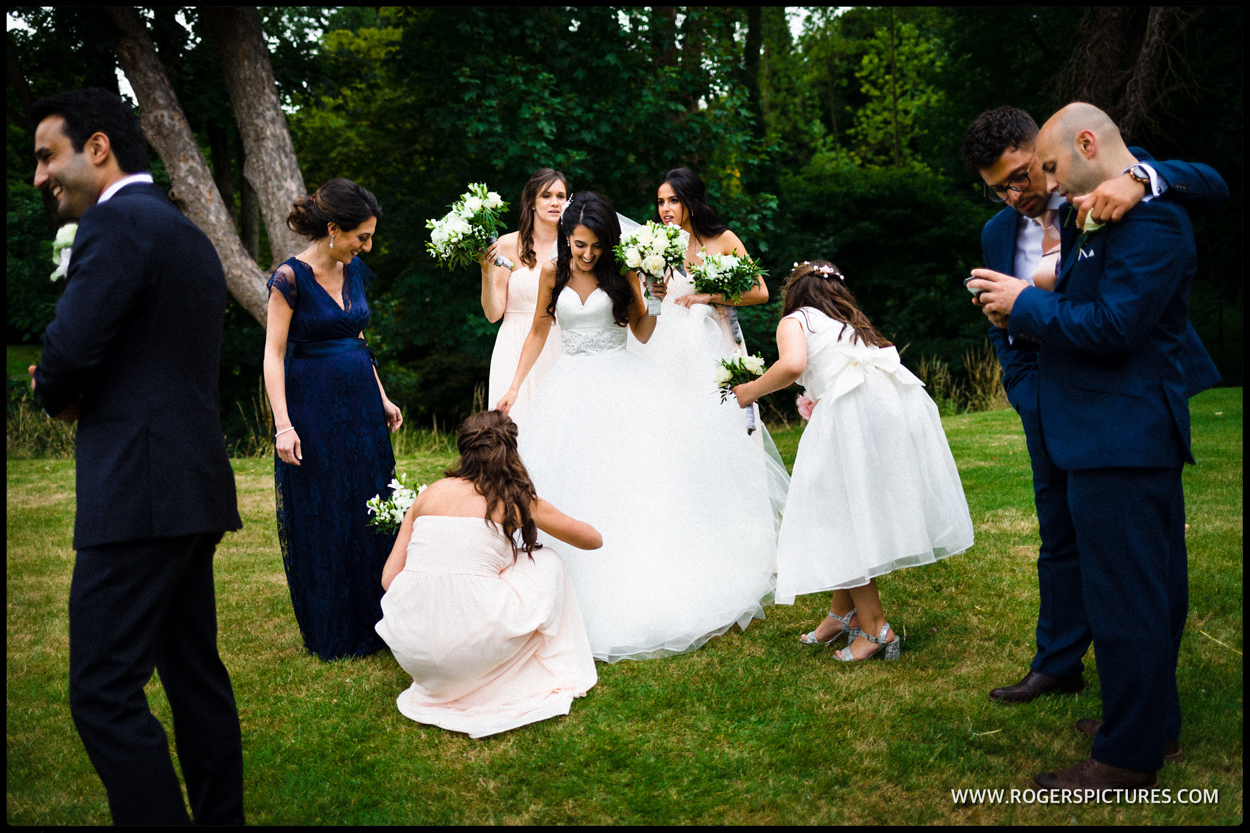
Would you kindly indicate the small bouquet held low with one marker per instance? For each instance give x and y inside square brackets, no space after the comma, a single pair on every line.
[389,514]
[732,276]
[458,239]
[738,371]
[652,250]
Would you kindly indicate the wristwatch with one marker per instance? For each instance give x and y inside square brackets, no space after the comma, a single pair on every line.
[1139,174]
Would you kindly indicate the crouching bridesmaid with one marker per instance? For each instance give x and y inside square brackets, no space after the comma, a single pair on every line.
[488,627]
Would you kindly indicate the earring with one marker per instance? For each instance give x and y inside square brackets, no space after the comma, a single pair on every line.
[331,241]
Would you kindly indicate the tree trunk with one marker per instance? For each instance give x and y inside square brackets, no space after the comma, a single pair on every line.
[192,187]
[1122,63]
[270,164]
[249,207]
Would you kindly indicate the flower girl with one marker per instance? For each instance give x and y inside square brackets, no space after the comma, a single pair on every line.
[875,487]
[488,629]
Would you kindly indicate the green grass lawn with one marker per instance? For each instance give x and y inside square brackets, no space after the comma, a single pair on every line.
[753,728]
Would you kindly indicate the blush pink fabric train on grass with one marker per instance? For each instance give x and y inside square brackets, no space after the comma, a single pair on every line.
[492,643]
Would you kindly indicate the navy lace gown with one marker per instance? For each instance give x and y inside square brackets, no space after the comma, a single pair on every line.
[333,559]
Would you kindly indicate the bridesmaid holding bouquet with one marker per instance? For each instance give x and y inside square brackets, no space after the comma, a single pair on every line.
[513,294]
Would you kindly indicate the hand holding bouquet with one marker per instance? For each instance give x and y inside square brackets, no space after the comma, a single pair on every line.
[652,250]
[458,239]
[738,371]
[732,276]
[389,514]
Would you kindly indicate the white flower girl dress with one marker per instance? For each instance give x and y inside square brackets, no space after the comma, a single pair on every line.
[875,487]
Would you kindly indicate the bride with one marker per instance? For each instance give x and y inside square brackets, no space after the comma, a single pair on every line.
[665,473]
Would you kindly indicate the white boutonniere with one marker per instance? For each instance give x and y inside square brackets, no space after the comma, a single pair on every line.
[62,247]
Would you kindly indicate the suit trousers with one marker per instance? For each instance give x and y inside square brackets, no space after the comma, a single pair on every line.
[1063,634]
[136,606]
[1130,527]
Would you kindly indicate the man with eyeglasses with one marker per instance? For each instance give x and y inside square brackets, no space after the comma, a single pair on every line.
[1026,240]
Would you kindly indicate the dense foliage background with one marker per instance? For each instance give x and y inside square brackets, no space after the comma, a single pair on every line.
[841,143]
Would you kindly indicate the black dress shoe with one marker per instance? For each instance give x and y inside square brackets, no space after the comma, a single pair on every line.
[1172,753]
[1090,774]
[1034,685]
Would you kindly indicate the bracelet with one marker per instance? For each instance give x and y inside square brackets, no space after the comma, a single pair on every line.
[283,431]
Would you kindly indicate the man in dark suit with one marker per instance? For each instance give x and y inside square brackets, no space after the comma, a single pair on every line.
[1023,239]
[1114,414]
[134,354]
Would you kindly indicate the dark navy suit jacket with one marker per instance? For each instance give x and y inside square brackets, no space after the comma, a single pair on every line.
[1112,387]
[1197,187]
[137,335]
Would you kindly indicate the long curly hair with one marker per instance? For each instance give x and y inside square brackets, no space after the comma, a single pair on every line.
[820,285]
[490,461]
[586,208]
[537,183]
[691,192]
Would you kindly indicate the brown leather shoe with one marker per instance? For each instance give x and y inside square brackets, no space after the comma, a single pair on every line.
[1172,753]
[1095,775]
[1034,685]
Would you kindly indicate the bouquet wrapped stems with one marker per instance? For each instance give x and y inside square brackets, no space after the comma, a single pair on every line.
[737,371]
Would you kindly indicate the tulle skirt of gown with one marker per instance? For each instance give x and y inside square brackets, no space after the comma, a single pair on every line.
[875,489]
[491,643]
[678,490]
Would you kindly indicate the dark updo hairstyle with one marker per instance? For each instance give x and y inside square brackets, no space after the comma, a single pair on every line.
[490,461]
[821,285]
[593,211]
[993,133]
[339,201]
[94,110]
[538,182]
[691,192]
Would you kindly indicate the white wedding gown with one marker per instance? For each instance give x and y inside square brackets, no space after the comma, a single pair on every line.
[670,479]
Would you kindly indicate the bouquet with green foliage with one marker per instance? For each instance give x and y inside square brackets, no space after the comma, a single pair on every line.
[732,276]
[389,514]
[652,250]
[458,239]
[738,371]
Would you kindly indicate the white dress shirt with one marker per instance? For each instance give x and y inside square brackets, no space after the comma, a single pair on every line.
[122,183]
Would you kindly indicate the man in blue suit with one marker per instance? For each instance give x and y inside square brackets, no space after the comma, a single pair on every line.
[1114,414]
[134,355]
[1000,146]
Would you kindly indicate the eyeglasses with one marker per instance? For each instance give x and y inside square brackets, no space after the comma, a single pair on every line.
[1018,184]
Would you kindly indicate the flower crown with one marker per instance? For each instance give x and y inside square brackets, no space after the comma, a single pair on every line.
[826,272]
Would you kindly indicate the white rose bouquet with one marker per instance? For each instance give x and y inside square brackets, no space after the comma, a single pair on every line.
[737,371]
[730,275]
[458,239]
[389,514]
[652,250]
[62,247]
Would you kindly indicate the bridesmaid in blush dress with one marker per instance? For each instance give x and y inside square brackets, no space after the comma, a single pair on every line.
[331,416]
[513,295]
[489,629]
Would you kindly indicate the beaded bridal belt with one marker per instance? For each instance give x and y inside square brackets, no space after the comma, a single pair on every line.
[581,342]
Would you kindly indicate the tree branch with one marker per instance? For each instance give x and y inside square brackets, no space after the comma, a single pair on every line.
[166,129]
[269,162]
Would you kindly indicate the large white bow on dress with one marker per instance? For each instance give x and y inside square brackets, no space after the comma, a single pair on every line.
[856,360]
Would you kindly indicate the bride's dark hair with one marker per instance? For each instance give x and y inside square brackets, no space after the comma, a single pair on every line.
[490,461]
[593,211]
[691,192]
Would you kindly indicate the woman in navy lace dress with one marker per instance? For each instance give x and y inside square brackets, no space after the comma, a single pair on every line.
[331,416]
